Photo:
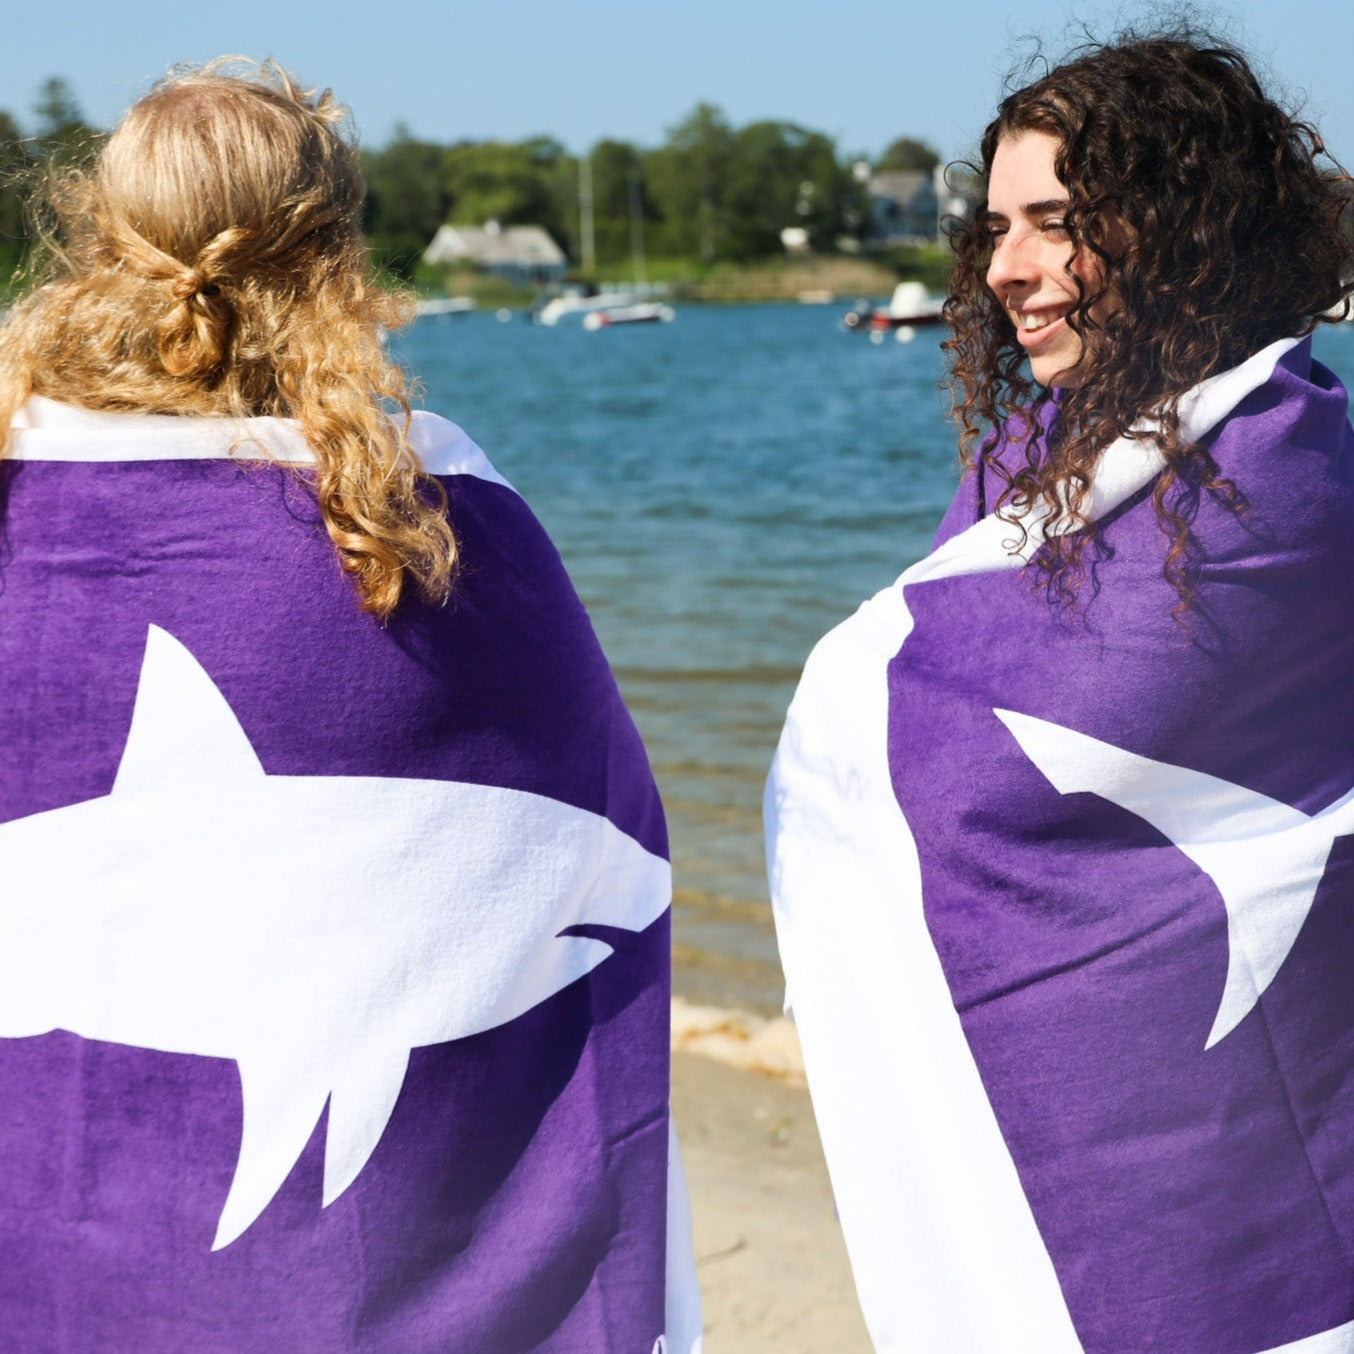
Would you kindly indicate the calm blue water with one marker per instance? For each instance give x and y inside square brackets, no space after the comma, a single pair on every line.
[723,489]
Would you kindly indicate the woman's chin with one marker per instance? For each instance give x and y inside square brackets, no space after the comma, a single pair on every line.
[1055,370]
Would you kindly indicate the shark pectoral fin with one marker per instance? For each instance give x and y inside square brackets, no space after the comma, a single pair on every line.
[360,1107]
[182,727]
[280,1114]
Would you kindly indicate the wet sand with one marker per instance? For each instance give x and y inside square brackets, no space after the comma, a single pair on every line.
[724,952]
[769,1254]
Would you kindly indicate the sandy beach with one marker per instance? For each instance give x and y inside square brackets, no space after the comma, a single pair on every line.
[769,1253]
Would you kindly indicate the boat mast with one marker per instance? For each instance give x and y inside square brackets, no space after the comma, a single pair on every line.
[585,229]
[636,229]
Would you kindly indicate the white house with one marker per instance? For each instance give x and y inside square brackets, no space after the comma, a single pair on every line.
[524,254]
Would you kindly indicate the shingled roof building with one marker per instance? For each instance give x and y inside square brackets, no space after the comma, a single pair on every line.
[521,254]
[913,204]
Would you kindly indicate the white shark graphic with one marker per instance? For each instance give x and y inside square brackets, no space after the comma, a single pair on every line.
[1266,858]
[312,928]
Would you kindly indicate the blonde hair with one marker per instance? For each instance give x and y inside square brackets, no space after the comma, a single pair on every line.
[211,263]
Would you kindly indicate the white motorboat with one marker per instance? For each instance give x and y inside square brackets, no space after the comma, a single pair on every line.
[572,305]
[645,312]
[446,305]
[911,307]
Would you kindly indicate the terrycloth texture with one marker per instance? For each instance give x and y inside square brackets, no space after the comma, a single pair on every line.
[1066,907]
[333,957]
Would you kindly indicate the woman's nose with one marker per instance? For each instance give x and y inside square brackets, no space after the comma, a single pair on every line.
[1010,263]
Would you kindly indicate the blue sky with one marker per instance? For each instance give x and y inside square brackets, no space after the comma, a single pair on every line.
[864,72]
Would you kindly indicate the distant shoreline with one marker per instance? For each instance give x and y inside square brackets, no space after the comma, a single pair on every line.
[827,278]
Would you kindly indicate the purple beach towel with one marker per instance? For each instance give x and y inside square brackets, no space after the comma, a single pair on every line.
[334,968]
[1065,900]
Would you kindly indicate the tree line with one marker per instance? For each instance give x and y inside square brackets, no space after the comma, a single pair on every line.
[710,192]
[57,134]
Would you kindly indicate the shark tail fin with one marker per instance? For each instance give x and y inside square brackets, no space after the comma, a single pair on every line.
[1265,858]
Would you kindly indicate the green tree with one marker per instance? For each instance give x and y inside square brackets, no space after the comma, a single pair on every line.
[615,166]
[784,175]
[558,174]
[495,181]
[908,153]
[14,164]
[61,131]
[688,179]
[406,200]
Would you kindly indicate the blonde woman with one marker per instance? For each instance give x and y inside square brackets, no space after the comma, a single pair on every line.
[334,927]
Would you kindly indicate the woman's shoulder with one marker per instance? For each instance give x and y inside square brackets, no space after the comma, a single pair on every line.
[444,448]
[51,430]
[1289,450]
[44,429]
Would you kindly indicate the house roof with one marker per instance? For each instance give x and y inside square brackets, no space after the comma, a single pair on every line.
[494,246]
[902,185]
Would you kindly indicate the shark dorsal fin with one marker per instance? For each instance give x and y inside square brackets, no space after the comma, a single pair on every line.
[193,733]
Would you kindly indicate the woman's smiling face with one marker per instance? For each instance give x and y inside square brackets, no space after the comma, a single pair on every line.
[1035,269]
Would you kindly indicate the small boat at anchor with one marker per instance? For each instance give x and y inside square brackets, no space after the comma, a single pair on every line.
[643,312]
[446,305]
[910,307]
[576,305]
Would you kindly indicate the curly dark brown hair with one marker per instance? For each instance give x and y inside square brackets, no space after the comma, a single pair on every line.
[1217,231]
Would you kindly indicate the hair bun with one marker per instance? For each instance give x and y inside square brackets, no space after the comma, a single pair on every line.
[192,282]
[194,338]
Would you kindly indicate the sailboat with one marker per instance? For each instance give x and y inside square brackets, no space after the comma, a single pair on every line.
[631,310]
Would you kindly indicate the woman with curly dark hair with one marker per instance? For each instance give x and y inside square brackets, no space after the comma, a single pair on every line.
[1059,823]
[1201,216]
